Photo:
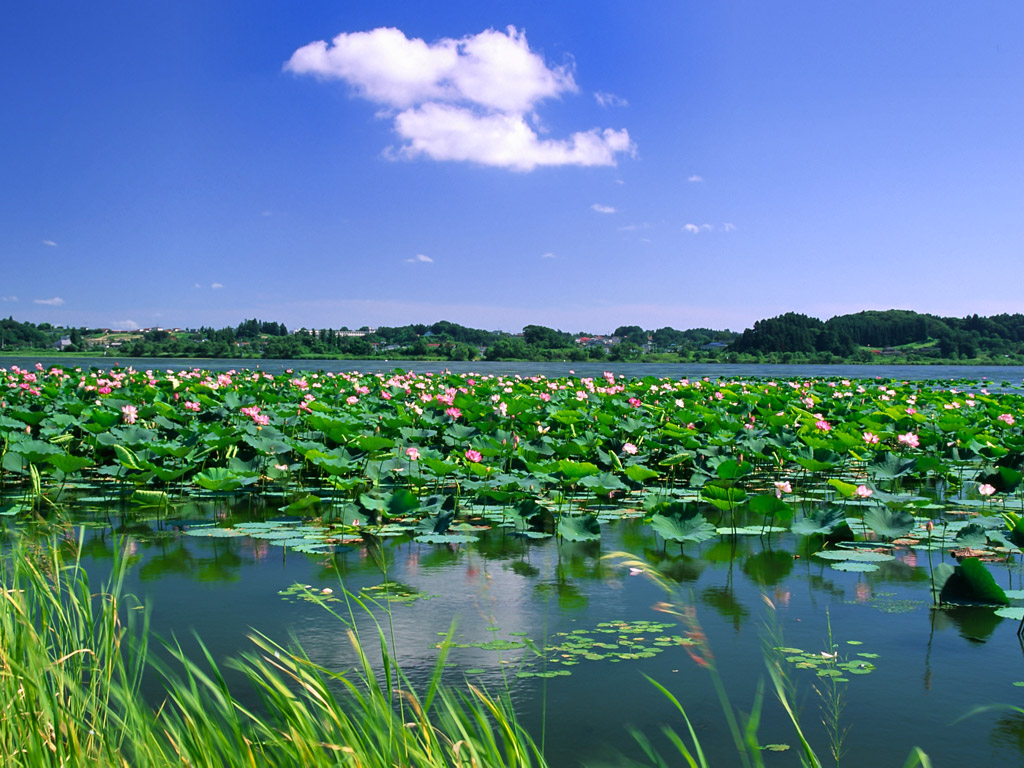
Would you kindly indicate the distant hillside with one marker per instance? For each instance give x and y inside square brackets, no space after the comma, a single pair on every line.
[895,335]
[846,335]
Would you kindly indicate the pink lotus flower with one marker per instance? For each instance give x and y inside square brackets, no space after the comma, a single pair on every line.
[986,490]
[823,425]
[630,449]
[635,402]
[412,453]
[473,455]
[1005,417]
[129,413]
[909,439]
[192,405]
[870,439]
[453,412]
[782,487]
[863,491]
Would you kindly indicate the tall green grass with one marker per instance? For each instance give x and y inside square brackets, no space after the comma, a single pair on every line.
[72,662]
[71,667]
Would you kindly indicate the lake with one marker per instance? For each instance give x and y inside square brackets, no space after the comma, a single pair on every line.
[571,634]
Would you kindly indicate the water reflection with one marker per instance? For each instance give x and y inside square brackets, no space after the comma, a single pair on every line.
[507,589]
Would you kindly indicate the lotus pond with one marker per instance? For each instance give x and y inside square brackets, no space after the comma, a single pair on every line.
[566,538]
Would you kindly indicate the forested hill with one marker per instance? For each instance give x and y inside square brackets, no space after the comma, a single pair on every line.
[895,336]
[885,331]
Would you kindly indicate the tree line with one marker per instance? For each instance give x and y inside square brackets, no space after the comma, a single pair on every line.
[894,335]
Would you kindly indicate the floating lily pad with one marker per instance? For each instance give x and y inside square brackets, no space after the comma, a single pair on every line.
[854,567]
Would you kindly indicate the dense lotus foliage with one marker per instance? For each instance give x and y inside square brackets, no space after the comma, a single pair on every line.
[438,457]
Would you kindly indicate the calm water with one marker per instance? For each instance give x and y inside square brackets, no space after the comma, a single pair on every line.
[1011,374]
[932,667]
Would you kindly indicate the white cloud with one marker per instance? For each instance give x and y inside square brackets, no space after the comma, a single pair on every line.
[634,227]
[126,325]
[9,298]
[706,227]
[548,255]
[505,140]
[216,286]
[609,99]
[492,69]
[463,100]
[420,258]
[695,177]
[602,208]
[49,242]
[56,301]
[728,227]
[693,229]
[267,213]
[197,285]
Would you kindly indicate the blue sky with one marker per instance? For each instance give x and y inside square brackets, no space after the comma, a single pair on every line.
[581,165]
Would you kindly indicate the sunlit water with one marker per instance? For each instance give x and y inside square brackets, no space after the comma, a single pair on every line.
[932,667]
[991,373]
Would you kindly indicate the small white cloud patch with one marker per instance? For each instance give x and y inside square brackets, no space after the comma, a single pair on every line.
[602,208]
[420,258]
[693,229]
[49,243]
[695,177]
[56,301]
[216,286]
[609,99]
[548,255]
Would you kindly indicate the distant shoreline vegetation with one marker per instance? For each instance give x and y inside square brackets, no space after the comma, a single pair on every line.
[889,337]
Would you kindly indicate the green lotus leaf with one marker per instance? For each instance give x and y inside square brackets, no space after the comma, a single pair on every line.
[638,473]
[67,463]
[445,538]
[854,566]
[888,522]
[971,582]
[583,527]
[683,527]
[854,555]
[823,519]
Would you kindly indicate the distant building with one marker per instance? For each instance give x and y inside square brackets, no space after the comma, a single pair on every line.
[597,341]
[63,343]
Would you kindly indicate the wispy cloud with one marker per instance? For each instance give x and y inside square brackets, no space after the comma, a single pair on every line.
[126,325]
[548,255]
[468,100]
[634,227]
[602,208]
[696,229]
[56,301]
[267,213]
[49,243]
[420,258]
[606,99]
[216,286]
[9,298]
[695,177]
